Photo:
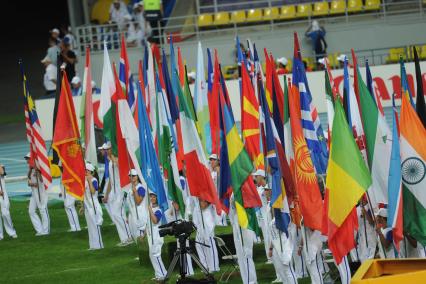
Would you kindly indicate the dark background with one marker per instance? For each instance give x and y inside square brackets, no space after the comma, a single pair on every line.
[26,26]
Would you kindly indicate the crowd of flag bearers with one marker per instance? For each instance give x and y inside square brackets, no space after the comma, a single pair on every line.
[357,195]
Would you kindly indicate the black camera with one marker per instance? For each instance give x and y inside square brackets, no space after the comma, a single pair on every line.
[177,228]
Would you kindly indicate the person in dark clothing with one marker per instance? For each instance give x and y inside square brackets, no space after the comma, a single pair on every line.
[317,33]
[69,58]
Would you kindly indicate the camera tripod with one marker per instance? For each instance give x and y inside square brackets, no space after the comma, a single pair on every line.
[180,255]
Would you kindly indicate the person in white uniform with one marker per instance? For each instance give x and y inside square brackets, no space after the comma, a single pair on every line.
[155,242]
[69,206]
[367,238]
[104,151]
[4,208]
[214,167]
[92,209]
[116,199]
[38,201]
[385,234]
[311,247]
[203,216]
[137,208]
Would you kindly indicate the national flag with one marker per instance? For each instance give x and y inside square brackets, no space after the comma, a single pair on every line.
[38,152]
[348,179]
[420,100]
[86,115]
[149,162]
[214,107]
[66,143]
[311,125]
[378,141]
[413,158]
[200,181]
[394,189]
[405,90]
[181,68]
[304,172]
[106,109]
[225,180]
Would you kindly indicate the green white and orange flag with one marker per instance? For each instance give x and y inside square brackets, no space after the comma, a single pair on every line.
[413,164]
[347,180]
[87,127]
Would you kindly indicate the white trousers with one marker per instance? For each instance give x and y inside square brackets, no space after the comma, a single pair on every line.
[118,215]
[244,251]
[5,215]
[94,230]
[314,269]
[208,256]
[155,257]
[38,201]
[284,271]
[344,271]
[69,205]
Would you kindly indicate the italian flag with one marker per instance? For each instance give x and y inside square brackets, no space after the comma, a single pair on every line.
[413,164]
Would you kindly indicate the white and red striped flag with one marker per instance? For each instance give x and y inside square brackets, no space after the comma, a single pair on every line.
[38,150]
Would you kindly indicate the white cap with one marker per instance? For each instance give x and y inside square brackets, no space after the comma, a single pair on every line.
[133,172]
[102,147]
[341,58]
[75,80]
[127,17]
[46,59]
[27,156]
[260,172]
[93,84]
[107,145]
[54,30]
[282,60]
[90,167]
[213,156]
[152,192]
[191,75]
[321,61]
[383,212]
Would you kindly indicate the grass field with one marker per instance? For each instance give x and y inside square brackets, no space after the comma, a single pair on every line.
[62,257]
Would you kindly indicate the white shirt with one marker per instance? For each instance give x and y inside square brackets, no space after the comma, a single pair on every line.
[118,15]
[49,75]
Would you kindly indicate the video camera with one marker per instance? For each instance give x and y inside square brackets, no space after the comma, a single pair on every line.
[177,228]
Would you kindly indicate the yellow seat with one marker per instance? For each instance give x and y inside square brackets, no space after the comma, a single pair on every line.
[271,13]
[354,6]
[337,7]
[238,17]
[100,11]
[288,12]
[422,53]
[372,5]
[395,53]
[205,20]
[254,15]
[304,10]
[320,9]
[221,18]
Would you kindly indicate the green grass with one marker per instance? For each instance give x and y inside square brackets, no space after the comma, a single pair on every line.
[62,257]
[11,118]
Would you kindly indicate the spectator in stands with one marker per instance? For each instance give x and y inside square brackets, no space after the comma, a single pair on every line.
[69,58]
[76,88]
[66,31]
[95,90]
[282,66]
[317,33]
[138,14]
[307,67]
[153,11]
[341,59]
[55,33]
[53,51]
[321,63]
[135,35]
[49,78]
[117,13]
[191,77]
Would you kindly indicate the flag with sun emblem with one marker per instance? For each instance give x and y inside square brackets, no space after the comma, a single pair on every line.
[413,165]
[303,169]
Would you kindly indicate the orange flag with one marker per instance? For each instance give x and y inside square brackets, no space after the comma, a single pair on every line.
[303,168]
[66,143]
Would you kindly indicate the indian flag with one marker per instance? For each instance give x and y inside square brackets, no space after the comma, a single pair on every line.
[413,165]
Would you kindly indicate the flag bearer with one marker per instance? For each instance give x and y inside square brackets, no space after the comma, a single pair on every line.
[310,248]
[4,208]
[385,234]
[214,167]
[367,239]
[137,206]
[38,200]
[69,205]
[92,209]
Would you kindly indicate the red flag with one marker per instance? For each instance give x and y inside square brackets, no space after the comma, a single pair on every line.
[214,107]
[65,143]
[181,69]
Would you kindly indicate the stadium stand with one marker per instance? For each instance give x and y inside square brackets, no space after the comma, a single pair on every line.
[272,13]
[238,17]
[304,10]
[288,12]
[254,15]
[337,7]
[320,9]
[354,6]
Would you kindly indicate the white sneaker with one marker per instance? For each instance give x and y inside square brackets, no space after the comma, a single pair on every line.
[14,236]
[39,234]
[269,261]
[277,281]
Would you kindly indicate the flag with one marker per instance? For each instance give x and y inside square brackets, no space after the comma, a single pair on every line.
[225,182]
[347,180]
[126,77]
[311,125]
[405,90]
[394,188]
[106,109]
[420,100]
[86,115]
[214,107]
[200,181]
[413,167]
[181,67]
[66,143]
[304,173]
[149,162]
[329,98]
[38,152]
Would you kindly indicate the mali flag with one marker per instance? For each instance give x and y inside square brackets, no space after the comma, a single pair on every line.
[66,143]
[347,180]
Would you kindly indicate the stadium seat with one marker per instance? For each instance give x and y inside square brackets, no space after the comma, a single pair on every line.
[271,13]
[422,53]
[221,18]
[320,9]
[395,53]
[205,20]
[254,15]
[304,10]
[354,6]
[288,12]
[337,7]
[238,17]
[372,5]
